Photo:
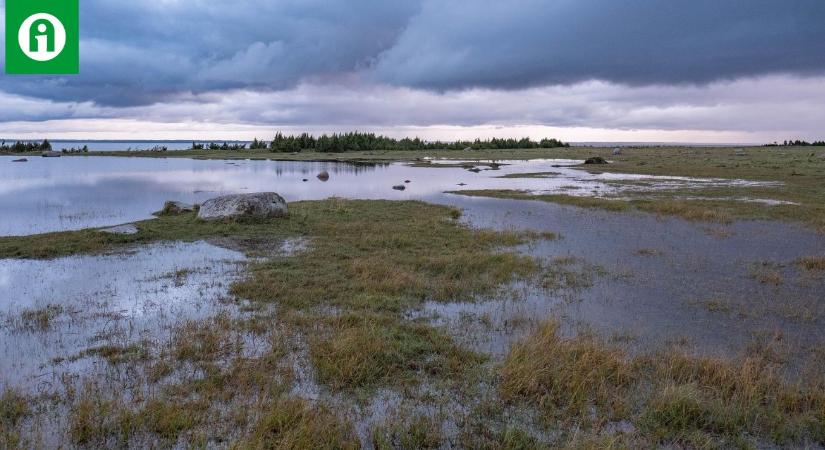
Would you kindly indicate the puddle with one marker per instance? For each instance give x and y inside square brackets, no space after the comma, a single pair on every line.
[52,311]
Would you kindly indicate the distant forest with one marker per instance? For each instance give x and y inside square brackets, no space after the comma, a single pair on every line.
[22,147]
[798,143]
[353,142]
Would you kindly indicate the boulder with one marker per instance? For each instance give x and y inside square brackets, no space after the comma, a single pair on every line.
[262,205]
[617,151]
[20,160]
[475,170]
[595,160]
[399,187]
[173,207]
[128,228]
[323,176]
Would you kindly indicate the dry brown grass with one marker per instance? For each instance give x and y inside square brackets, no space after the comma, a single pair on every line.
[671,397]
[812,263]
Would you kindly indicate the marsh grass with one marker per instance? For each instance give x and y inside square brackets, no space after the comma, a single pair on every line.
[369,350]
[293,424]
[40,319]
[812,263]
[14,407]
[347,303]
[672,397]
[419,432]
[692,210]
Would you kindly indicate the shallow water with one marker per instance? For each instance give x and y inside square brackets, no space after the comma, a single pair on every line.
[69,193]
[652,279]
[118,299]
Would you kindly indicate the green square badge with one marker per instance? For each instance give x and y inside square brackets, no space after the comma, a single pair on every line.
[42,37]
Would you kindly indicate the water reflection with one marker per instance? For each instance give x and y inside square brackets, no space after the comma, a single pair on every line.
[54,194]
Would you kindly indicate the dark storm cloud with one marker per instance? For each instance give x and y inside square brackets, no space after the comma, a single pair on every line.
[139,52]
[521,43]
[142,52]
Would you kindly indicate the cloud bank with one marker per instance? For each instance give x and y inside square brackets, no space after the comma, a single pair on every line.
[689,65]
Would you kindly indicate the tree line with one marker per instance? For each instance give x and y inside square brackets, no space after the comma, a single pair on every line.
[355,141]
[798,143]
[23,147]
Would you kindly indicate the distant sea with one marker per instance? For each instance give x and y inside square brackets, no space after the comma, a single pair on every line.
[106,146]
[103,146]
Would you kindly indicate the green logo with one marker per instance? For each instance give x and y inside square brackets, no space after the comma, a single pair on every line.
[42,37]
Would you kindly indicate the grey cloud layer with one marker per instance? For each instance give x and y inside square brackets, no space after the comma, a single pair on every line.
[142,52]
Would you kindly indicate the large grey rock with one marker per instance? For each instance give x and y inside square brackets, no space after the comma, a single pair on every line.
[617,151]
[263,205]
[128,228]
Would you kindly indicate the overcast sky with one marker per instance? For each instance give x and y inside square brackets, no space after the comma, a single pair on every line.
[580,70]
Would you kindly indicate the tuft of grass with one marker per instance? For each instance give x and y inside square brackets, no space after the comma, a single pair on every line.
[362,351]
[420,432]
[672,397]
[40,319]
[13,408]
[294,424]
[566,376]
[812,263]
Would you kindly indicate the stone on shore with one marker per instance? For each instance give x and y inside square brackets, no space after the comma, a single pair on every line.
[264,205]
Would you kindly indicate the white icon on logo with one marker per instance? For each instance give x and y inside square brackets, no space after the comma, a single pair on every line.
[42,37]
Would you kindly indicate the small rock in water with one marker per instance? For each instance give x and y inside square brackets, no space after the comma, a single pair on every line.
[305,180]
[475,170]
[20,160]
[617,151]
[128,228]
[462,184]
[52,154]
[595,160]
[323,176]
[407,181]
[174,207]
[263,205]
[399,187]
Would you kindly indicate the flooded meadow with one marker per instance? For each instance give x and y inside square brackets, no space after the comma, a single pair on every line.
[214,338]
